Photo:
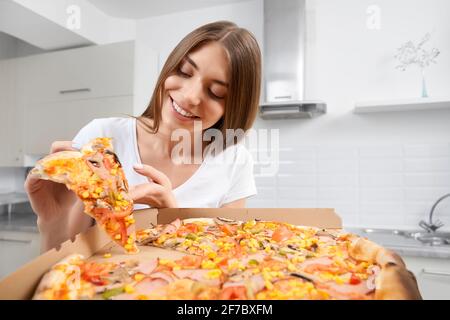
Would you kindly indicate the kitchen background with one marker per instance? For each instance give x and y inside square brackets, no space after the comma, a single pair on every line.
[380,170]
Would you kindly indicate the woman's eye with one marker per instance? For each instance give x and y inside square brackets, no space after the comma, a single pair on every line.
[215,96]
[183,73]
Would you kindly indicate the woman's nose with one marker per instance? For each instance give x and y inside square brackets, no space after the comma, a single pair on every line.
[193,93]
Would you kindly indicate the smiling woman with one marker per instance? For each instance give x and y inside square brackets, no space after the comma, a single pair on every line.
[223,62]
[209,83]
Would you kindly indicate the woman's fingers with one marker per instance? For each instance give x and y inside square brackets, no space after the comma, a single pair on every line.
[64,146]
[158,194]
[153,194]
[142,191]
[155,175]
[147,193]
[32,183]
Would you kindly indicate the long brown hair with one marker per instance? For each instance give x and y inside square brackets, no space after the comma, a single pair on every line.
[241,105]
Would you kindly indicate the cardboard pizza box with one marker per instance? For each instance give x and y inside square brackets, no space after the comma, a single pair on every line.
[94,243]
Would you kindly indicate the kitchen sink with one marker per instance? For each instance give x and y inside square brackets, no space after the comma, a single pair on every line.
[424,237]
[432,238]
[386,231]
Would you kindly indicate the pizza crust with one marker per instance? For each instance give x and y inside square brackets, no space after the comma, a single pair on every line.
[56,277]
[366,250]
[394,281]
[39,169]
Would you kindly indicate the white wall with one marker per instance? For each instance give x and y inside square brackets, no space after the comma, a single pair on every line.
[376,170]
[379,169]
[362,61]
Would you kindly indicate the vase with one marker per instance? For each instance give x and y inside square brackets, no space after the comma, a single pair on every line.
[424,85]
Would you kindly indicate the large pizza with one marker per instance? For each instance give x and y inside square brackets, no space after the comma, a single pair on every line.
[228,259]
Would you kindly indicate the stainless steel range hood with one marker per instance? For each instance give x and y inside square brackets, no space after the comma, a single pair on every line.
[284,60]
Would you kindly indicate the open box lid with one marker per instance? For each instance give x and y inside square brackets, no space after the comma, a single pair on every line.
[313,217]
[21,284]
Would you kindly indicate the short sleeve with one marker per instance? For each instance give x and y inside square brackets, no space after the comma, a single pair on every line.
[243,181]
[90,131]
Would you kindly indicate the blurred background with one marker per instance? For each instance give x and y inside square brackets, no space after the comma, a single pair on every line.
[354,131]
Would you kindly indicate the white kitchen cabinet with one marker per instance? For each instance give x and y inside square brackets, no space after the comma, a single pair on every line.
[16,249]
[4,109]
[46,122]
[82,73]
[60,92]
[433,276]
[11,153]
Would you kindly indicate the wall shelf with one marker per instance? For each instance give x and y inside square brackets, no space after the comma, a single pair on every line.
[401,105]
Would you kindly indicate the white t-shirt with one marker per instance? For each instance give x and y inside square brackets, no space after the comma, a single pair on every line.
[220,179]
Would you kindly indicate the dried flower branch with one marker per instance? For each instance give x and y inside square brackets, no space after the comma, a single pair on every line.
[409,54]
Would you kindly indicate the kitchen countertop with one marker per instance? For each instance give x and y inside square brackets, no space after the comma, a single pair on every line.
[404,246]
[13,198]
[19,221]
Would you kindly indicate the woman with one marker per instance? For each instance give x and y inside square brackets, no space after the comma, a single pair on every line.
[212,80]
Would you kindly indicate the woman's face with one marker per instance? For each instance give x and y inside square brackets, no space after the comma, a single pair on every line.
[197,90]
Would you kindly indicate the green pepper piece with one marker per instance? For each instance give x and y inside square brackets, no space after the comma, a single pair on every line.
[253,262]
[191,236]
[108,294]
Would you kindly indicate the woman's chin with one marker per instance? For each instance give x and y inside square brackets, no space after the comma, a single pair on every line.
[171,123]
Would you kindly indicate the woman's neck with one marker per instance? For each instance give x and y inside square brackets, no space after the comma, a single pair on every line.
[162,141]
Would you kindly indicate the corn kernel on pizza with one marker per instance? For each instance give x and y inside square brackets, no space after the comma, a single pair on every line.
[95,174]
[227,259]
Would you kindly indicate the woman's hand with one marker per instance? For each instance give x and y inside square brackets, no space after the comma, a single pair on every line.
[50,200]
[53,203]
[157,193]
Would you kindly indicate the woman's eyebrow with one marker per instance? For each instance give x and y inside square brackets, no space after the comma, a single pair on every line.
[188,59]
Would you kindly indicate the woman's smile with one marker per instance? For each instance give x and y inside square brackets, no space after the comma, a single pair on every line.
[181,113]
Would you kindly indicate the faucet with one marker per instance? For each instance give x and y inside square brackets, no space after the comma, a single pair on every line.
[433,226]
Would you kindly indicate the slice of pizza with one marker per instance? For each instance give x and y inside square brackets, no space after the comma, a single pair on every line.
[95,174]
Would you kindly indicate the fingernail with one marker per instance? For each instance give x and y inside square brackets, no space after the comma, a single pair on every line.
[138,166]
[76,145]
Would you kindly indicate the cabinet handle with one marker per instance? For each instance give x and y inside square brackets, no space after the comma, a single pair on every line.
[15,240]
[75,90]
[436,272]
[283,97]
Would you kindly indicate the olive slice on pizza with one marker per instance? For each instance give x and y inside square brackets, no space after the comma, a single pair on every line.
[95,174]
